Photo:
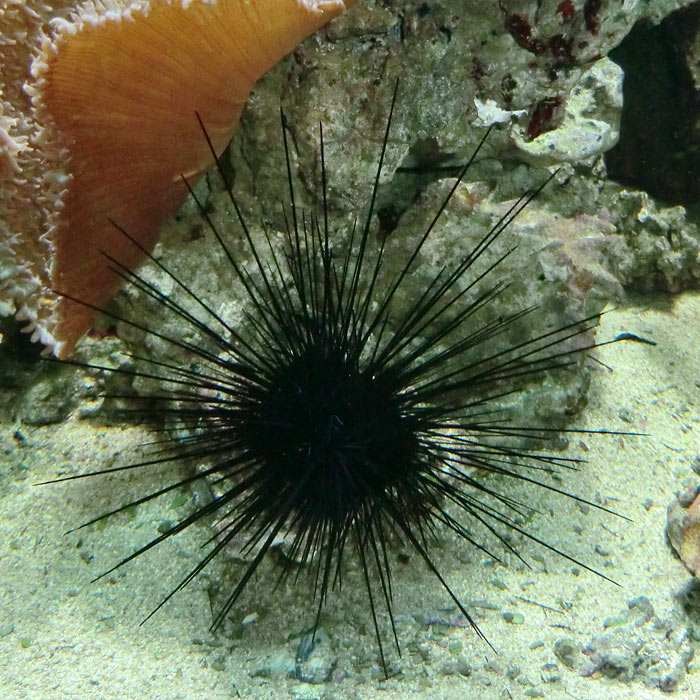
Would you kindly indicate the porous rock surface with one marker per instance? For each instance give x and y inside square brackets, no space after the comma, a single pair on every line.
[538,70]
[640,646]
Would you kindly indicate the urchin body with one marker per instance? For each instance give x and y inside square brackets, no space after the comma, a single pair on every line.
[325,426]
[340,417]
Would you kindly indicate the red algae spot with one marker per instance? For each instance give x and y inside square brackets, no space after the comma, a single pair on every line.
[558,46]
[561,49]
[478,70]
[545,117]
[566,10]
[521,30]
[591,12]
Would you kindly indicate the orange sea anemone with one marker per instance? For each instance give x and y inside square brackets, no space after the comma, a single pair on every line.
[109,127]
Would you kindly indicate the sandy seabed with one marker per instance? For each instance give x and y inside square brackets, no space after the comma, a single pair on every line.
[65,638]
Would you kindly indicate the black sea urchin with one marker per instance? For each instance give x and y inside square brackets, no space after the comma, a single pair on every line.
[339,415]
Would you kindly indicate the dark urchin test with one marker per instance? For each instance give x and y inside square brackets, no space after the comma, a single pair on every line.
[341,417]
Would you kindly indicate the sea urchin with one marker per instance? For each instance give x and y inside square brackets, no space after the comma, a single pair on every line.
[338,415]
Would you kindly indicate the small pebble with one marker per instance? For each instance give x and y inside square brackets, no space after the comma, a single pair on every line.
[513,672]
[626,415]
[583,507]
[48,400]
[567,651]
[315,658]
[86,557]
[164,526]
[613,622]
[281,665]
[249,619]
[643,604]
[514,618]
[425,651]
[457,667]
[550,673]
[688,496]
[377,674]
[695,466]
[219,663]
[179,500]
[87,410]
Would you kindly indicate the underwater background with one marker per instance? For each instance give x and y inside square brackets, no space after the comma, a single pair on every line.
[607,92]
